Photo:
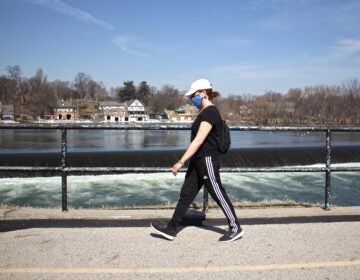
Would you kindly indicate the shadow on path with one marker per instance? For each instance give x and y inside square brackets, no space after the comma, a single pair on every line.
[11,225]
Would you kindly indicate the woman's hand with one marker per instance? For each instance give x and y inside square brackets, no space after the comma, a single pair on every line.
[176,167]
[199,139]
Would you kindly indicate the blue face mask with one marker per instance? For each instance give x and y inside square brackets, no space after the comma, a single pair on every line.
[197,101]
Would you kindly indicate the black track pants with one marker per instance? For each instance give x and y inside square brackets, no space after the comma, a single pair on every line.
[204,171]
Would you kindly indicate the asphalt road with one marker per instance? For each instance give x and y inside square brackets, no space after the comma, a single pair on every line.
[290,249]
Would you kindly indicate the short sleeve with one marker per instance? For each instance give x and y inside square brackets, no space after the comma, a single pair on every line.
[210,115]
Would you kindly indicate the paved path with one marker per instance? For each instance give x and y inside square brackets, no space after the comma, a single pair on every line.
[279,243]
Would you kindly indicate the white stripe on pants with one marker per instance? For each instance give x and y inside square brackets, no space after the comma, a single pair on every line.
[229,214]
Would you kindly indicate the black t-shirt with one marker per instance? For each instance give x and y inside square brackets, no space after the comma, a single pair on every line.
[211,115]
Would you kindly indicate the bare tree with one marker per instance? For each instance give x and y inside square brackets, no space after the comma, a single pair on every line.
[43,97]
[15,74]
[168,98]
[62,90]
[83,86]
[7,90]
[260,108]
[100,92]
[296,97]
[351,91]
[230,107]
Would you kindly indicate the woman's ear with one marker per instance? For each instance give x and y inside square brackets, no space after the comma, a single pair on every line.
[203,94]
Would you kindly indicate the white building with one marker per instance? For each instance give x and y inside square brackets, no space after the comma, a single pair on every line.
[130,111]
[135,111]
[112,111]
[186,113]
[7,112]
[67,113]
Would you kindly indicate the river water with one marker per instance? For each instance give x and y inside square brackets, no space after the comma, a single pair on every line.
[28,140]
[162,148]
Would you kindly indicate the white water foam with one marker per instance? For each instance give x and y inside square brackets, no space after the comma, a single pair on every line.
[349,164]
[163,188]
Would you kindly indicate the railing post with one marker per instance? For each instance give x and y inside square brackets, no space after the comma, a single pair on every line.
[64,201]
[328,170]
[205,201]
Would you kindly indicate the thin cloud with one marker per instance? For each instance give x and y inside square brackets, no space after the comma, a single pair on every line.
[347,47]
[129,44]
[346,15]
[236,42]
[258,78]
[251,72]
[282,15]
[61,7]
[276,23]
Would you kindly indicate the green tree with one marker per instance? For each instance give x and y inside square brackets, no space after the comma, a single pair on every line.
[143,92]
[127,92]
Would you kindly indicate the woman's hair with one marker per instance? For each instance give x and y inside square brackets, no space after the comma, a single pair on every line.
[212,94]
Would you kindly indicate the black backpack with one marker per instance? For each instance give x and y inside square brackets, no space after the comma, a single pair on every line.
[224,139]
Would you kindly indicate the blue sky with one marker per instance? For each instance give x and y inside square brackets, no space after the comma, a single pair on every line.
[241,46]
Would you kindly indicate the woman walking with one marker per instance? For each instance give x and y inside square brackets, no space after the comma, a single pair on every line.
[204,164]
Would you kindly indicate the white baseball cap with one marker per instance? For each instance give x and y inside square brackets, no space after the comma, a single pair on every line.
[198,85]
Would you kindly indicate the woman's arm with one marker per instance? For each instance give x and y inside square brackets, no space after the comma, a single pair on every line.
[200,137]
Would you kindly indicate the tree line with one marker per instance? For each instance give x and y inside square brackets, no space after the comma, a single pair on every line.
[330,105]
[313,105]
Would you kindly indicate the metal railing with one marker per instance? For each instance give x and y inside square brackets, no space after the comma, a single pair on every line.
[65,170]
